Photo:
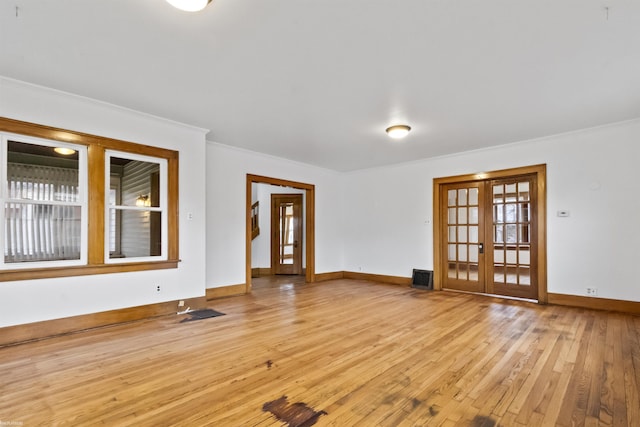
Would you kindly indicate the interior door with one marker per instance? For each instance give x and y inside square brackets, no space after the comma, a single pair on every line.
[462,219]
[488,236]
[286,233]
[511,255]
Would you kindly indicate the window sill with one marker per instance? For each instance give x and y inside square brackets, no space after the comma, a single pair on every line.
[84,270]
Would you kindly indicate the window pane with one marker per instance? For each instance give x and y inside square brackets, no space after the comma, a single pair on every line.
[139,181]
[139,235]
[41,232]
[37,172]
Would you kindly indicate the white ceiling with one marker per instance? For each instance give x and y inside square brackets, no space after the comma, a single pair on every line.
[319,81]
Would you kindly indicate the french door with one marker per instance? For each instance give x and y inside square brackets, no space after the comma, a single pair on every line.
[488,236]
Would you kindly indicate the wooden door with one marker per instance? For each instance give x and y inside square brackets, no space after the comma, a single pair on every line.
[286,233]
[463,232]
[512,249]
[488,230]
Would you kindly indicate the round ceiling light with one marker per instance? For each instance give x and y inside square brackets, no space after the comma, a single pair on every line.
[189,5]
[398,131]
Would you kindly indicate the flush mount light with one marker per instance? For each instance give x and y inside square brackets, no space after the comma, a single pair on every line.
[64,151]
[398,131]
[189,5]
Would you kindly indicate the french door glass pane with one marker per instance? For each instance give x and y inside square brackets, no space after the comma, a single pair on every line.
[462,252]
[473,234]
[473,215]
[510,213]
[473,272]
[452,234]
[462,234]
[452,215]
[524,256]
[473,253]
[462,215]
[510,193]
[452,273]
[523,191]
[452,253]
[473,197]
[451,197]
[462,197]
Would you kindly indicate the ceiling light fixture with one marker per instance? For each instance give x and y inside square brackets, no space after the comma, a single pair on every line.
[64,151]
[398,131]
[189,5]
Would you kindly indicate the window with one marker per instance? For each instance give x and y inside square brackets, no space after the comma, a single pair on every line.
[109,206]
[44,200]
[135,213]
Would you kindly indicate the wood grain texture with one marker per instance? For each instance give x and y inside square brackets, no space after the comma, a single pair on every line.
[363,353]
[632,307]
[380,278]
[225,291]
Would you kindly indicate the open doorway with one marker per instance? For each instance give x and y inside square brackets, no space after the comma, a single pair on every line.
[306,241]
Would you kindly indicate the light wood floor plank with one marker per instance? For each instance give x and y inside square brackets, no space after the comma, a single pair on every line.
[367,354]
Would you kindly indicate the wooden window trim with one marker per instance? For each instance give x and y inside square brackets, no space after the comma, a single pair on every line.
[96,147]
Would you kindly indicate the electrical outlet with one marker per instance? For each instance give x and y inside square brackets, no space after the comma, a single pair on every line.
[181,303]
[157,288]
[592,292]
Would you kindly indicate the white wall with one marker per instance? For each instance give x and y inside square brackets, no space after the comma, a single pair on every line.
[227,169]
[34,300]
[261,245]
[591,173]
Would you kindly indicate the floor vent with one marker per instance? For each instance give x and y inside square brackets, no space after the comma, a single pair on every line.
[422,279]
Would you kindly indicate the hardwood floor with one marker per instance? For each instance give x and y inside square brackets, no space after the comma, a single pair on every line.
[366,354]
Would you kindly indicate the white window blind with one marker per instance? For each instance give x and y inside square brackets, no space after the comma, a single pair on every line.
[42,213]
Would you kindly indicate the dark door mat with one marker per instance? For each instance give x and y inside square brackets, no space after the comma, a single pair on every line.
[201,314]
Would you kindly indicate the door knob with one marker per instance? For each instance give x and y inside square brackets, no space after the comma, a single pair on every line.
[481,248]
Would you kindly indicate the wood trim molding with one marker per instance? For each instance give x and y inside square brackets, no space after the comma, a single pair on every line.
[541,175]
[632,307]
[51,328]
[84,270]
[260,272]
[394,280]
[226,291]
[335,275]
[310,220]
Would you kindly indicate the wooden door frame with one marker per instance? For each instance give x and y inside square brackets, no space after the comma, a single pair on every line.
[540,171]
[274,231]
[309,231]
